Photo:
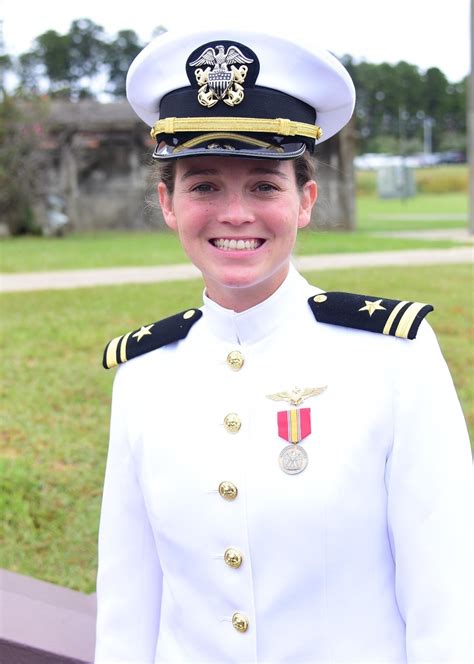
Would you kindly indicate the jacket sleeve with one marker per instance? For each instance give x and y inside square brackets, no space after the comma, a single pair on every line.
[129,581]
[429,483]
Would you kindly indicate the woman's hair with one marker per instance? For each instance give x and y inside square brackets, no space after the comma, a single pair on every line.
[305,170]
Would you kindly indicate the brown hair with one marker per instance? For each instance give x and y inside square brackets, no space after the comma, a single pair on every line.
[305,170]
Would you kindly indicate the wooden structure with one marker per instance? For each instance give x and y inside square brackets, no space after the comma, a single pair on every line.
[99,165]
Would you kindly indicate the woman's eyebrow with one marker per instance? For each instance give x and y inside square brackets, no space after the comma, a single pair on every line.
[198,171]
[258,170]
[268,170]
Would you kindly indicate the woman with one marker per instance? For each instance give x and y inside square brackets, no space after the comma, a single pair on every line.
[284,483]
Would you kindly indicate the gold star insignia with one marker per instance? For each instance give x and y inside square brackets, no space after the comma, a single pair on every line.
[372,306]
[142,332]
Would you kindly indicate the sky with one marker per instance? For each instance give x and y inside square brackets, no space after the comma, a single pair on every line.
[426,33]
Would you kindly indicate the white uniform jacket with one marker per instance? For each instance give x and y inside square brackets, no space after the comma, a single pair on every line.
[362,557]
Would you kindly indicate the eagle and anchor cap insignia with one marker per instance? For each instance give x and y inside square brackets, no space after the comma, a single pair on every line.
[217,75]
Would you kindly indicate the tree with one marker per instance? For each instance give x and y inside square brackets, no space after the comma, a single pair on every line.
[6,65]
[27,70]
[86,51]
[64,64]
[21,162]
[51,56]
[394,102]
[435,101]
[119,53]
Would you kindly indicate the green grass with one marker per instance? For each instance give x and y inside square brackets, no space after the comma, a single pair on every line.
[442,201]
[89,250]
[311,242]
[56,398]
[422,212]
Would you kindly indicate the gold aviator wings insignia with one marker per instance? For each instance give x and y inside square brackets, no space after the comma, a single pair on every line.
[297,395]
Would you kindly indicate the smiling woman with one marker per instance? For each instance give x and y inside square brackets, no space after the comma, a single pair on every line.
[237,220]
[288,477]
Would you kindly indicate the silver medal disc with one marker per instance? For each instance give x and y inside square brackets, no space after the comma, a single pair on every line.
[293,459]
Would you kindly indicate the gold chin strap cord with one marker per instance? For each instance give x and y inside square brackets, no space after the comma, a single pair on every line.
[217,135]
[278,126]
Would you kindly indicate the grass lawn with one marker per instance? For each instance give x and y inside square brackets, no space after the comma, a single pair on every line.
[422,212]
[56,399]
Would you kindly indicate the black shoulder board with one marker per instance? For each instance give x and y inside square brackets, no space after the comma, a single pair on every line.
[149,337]
[398,318]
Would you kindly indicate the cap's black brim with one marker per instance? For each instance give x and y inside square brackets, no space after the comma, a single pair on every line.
[284,151]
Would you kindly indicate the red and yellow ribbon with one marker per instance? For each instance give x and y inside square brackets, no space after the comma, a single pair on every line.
[294,424]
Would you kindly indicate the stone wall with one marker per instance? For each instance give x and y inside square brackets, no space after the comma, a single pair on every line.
[99,171]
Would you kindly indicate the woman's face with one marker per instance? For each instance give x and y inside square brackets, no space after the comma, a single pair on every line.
[237,220]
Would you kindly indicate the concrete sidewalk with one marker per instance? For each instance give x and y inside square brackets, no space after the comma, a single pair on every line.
[34,281]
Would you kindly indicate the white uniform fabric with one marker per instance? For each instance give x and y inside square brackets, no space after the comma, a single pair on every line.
[363,557]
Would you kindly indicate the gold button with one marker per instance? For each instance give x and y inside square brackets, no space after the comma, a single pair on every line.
[240,622]
[228,491]
[320,298]
[232,422]
[233,558]
[235,360]
[189,314]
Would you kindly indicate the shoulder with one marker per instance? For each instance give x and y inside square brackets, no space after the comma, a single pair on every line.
[149,337]
[398,318]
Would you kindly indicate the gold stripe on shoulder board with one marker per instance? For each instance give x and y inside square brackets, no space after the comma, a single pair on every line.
[123,348]
[404,326]
[111,355]
[393,315]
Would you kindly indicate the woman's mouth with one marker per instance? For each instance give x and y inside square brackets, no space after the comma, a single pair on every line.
[237,245]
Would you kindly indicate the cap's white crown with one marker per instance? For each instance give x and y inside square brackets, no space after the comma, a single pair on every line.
[312,75]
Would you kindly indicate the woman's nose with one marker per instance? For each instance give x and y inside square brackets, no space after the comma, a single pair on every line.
[236,210]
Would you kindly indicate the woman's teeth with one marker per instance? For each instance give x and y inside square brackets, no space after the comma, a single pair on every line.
[232,245]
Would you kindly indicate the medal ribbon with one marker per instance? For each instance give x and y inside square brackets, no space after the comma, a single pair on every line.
[294,424]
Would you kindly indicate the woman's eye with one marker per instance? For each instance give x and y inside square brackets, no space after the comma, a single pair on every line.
[266,186]
[202,188]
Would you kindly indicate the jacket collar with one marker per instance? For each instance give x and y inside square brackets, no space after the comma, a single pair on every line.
[256,323]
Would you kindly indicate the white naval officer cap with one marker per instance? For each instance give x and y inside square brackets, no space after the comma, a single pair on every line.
[238,93]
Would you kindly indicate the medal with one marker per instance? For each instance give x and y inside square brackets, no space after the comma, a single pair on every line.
[293,459]
[293,426]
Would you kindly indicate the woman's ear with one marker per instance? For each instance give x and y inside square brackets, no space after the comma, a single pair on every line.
[166,202]
[308,198]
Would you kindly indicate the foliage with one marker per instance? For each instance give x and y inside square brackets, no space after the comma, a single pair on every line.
[436,180]
[21,162]
[5,65]
[454,179]
[70,65]
[56,403]
[403,102]
[119,53]
[67,62]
